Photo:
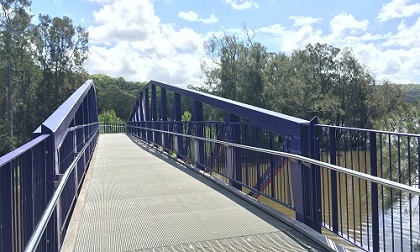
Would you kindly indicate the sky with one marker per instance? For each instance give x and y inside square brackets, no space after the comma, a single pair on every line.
[142,40]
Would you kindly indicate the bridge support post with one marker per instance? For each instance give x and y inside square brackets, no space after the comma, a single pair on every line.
[179,127]
[137,118]
[233,155]
[199,132]
[306,180]
[142,132]
[155,135]
[164,117]
[147,114]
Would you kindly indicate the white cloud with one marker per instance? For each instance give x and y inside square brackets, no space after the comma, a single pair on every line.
[291,39]
[408,37]
[394,56]
[124,20]
[129,40]
[343,23]
[300,38]
[242,4]
[398,9]
[100,1]
[301,21]
[193,17]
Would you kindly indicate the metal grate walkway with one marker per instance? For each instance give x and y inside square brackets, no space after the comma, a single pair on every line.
[138,200]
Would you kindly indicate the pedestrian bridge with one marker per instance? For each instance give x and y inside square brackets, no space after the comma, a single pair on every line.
[137,199]
[196,172]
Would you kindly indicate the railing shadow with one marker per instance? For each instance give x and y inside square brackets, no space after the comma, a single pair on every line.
[295,230]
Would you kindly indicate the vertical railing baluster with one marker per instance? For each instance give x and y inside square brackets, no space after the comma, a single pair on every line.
[333,175]
[155,135]
[179,127]
[164,117]
[233,155]
[374,192]
[199,132]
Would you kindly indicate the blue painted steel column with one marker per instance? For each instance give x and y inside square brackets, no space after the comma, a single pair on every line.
[179,127]
[314,144]
[147,114]
[29,193]
[334,194]
[374,192]
[164,116]
[298,182]
[6,213]
[272,164]
[199,131]
[142,132]
[136,122]
[156,135]
[305,180]
[233,155]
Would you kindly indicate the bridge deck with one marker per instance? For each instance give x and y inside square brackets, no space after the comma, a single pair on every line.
[136,200]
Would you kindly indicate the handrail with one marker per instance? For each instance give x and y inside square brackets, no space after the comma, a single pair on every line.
[42,224]
[368,177]
[67,136]
[70,129]
[367,130]
[22,149]
[263,117]
[58,122]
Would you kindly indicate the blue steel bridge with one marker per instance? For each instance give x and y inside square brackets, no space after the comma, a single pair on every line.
[233,177]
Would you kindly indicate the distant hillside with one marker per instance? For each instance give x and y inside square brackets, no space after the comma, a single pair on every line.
[116,94]
[412,92]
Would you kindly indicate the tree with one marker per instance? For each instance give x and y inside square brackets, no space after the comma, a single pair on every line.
[355,85]
[384,100]
[109,117]
[222,79]
[399,153]
[336,86]
[116,94]
[14,22]
[237,69]
[41,65]
[283,91]
[62,51]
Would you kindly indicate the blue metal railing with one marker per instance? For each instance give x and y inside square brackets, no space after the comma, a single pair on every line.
[359,184]
[40,180]
[373,216]
[112,128]
[157,118]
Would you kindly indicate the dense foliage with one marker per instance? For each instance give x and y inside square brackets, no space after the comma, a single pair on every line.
[40,66]
[324,81]
[412,92]
[319,80]
[116,94]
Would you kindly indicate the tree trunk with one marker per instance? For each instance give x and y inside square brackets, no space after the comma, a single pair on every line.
[9,85]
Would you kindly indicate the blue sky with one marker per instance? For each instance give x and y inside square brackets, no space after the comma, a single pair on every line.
[163,39]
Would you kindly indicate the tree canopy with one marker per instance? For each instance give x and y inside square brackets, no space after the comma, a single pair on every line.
[318,80]
[41,65]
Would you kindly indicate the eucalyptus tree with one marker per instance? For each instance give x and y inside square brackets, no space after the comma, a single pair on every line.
[14,23]
[355,87]
[62,50]
[222,74]
[237,69]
